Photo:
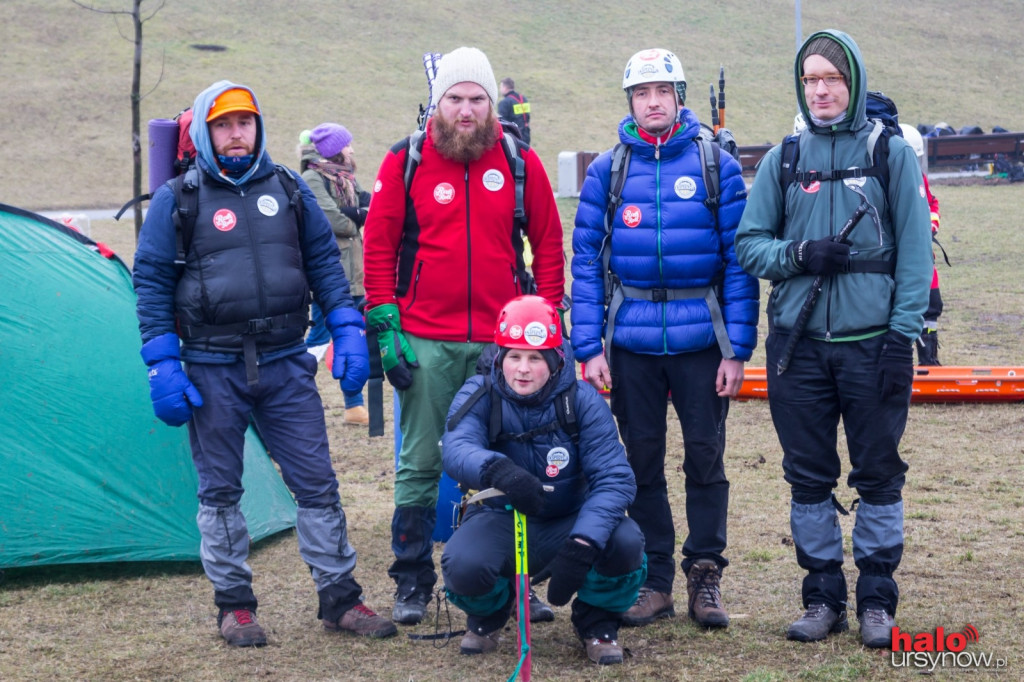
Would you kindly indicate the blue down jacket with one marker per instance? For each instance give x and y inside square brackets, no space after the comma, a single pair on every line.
[663,236]
[591,477]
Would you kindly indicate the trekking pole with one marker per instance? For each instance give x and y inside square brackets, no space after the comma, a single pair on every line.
[721,96]
[430,60]
[714,110]
[812,296]
[525,666]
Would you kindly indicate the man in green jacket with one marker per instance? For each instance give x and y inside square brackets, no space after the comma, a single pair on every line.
[854,357]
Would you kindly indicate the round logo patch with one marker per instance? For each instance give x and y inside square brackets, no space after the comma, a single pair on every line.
[685,187]
[224,220]
[558,459]
[631,216]
[494,180]
[535,333]
[444,193]
[811,188]
[920,190]
[377,185]
[515,332]
[267,205]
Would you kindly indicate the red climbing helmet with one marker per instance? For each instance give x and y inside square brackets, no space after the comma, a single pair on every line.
[528,322]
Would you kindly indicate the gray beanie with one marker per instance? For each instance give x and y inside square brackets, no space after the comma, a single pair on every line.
[831,50]
[465,64]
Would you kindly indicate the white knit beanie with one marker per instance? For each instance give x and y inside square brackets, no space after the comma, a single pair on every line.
[465,64]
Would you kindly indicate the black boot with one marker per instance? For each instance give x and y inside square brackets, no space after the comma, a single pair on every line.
[413,568]
[928,348]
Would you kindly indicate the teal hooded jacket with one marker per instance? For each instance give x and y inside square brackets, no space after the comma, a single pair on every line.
[852,305]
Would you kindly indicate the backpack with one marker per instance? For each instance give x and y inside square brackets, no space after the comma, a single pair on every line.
[614,291]
[167,161]
[882,112]
[514,148]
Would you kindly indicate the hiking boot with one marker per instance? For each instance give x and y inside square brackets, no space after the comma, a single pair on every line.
[473,644]
[360,620]
[603,649]
[876,628]
[539,611]
[703,588]
[357,415]
[816,623]
[410,609]
[649,606]
[239,628]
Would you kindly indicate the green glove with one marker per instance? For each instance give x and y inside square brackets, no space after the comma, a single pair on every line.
[396,355]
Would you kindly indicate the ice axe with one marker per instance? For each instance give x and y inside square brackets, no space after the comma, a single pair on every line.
[865,207]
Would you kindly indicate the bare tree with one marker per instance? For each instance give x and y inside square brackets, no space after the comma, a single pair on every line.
[137,19]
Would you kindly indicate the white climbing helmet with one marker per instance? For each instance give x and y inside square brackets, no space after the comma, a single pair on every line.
[654,65]
[913,138]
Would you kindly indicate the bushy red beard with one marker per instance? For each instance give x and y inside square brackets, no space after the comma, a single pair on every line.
[460,146]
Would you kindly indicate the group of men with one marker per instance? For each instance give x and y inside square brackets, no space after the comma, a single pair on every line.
[665,309]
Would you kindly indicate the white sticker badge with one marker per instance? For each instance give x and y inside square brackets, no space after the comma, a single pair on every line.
[267,205]
[685,187]
[493,180]
[535,333]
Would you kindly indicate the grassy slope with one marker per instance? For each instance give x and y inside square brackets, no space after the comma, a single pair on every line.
[66,71]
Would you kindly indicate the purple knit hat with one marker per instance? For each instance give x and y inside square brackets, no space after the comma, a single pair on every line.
[330,138]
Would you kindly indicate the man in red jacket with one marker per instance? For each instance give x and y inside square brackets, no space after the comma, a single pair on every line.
[439,265]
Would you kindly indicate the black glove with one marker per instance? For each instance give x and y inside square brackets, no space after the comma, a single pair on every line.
[821,256]
[569,568]
[356,215]
[521,487]
[895,365]
[364,199]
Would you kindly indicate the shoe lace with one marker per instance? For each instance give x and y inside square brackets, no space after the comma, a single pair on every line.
[643,596]
[876,617]
[814,611]
[243,616]
[365,611]
[705,583]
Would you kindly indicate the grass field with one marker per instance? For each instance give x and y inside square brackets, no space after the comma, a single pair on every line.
[65,141]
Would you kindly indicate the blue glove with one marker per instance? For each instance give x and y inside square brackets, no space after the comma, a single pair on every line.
[351,359]
[173,395]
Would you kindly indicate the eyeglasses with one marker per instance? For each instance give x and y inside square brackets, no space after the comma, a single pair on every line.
[830,81]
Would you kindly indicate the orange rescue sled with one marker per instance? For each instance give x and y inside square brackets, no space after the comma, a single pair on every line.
[931,384]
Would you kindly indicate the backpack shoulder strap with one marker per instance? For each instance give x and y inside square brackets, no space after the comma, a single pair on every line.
[517,165]
[186,197]
[414,154]
[621,154]
[710,162]
[291,188]
[788,157]
[472,400]
[565,410]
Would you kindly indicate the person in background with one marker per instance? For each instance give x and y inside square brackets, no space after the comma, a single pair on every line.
[928,343]
[686,324]
[854,359]
[515,108]
[439,264]
[573,488]
[236,313]
[328,166]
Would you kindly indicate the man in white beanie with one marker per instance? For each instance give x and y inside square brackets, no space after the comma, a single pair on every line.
[439,264]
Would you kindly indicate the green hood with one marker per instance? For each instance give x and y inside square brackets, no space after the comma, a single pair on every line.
[856,116]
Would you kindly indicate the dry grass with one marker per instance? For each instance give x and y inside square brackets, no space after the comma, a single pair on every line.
[964,543]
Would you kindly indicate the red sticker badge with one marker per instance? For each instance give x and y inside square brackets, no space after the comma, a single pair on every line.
[224,220]
[631,216]
[444,193]
[811,188]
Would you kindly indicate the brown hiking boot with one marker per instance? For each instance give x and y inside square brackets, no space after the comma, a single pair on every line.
[361,621]
[649,606]
[702,586]
[473,643]
[603,650]
[239,628]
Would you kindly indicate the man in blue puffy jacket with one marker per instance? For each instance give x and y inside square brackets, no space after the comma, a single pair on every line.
[572,484]
[677,317]
[235,312]
[853,358]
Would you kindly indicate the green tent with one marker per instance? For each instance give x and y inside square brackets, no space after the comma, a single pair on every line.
[87,473]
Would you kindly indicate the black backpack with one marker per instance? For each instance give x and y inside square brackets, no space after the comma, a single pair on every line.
[881,111]
[514,148]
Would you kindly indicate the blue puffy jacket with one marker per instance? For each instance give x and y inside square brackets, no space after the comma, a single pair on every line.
[591,477]
[663,237]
